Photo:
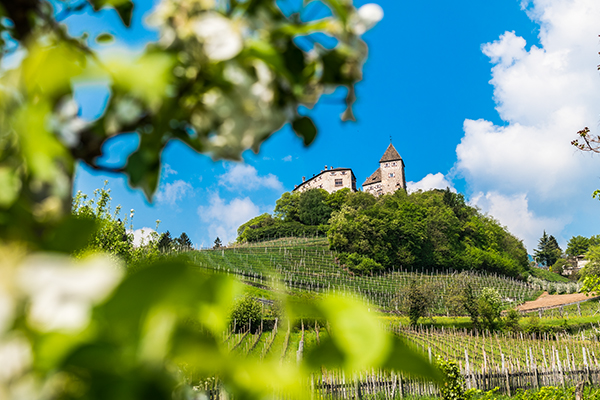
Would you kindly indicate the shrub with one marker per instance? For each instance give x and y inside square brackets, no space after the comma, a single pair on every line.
[246,313]
[511,321]
[416,300]
[533,325]
[489,304]
[362,265]
[453,386]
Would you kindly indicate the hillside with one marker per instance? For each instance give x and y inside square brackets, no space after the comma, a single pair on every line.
[421,231]
[307,265]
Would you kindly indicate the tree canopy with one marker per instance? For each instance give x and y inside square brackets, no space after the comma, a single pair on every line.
[577,245]
[427,230]
[423,230]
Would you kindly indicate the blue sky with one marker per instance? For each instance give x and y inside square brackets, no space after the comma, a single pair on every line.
[482,96]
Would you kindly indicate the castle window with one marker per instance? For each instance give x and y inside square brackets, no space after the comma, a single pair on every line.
[387,165]
[343,172]
[393,164]
[391,174]
[338,182]
[333,173]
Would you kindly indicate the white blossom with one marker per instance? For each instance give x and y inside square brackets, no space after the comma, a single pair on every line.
[16,357]
[367,17]
[63,291]
[221,40]
[66,123]
[7,310]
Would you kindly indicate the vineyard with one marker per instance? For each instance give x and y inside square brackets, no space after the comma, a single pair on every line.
[308,265]
[506,361]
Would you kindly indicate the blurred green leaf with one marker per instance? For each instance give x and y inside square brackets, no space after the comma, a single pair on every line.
[340,7]
[334,62]
[143,168]
[10,184]
[123,7]
[402,358]
[199,349]
[70,235]
[327,354]
[42,151]
[305,128]
[294,61]
[102,370]
[140,292]
[264,51]
[323,25]
[50,69]
[146,78]
[105,38]
[172,284]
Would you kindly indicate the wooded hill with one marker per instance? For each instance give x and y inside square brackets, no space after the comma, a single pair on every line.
[436,229]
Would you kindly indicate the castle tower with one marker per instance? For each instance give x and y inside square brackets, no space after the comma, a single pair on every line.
[389,177]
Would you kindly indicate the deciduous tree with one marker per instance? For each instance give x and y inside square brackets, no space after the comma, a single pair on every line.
[313,208]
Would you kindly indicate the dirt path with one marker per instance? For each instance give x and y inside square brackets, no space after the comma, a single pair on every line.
[547,300]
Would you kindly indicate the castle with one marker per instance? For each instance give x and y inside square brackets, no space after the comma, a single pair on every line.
[388,178]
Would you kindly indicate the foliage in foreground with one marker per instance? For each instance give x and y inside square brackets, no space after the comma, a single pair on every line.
[85,330]
[224,76]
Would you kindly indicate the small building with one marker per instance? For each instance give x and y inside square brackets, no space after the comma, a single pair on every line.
[332,180]
[389,177]
[574,265]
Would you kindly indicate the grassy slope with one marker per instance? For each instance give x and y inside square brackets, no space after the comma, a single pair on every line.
[307,266]
[548,276]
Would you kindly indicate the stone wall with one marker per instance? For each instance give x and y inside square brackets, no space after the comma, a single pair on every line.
[392,176]
[375,189]
[331,180]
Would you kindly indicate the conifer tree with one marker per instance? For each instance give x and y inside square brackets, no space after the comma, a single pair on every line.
[548,250]
[184,241]
[165,242]
[218,243]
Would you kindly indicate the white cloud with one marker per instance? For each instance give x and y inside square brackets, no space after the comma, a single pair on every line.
[243,176]
[225,217]
[167,170]
[142,236]
[513,211]
[526,174]
[170,193]
[287,158]
[431,181]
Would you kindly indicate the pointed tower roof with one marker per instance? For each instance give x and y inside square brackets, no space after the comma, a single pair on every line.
[390,155]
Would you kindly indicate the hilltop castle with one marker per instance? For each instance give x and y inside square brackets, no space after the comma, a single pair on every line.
[388,178]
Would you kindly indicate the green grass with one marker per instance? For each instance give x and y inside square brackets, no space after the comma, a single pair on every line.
[548,276]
